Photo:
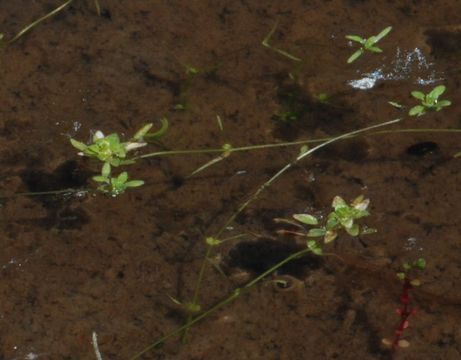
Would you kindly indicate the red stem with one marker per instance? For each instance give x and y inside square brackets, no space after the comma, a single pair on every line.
[404,311]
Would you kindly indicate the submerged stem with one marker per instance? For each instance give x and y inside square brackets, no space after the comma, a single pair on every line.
[285,144]
[234,295]
[265,185]
[38,21]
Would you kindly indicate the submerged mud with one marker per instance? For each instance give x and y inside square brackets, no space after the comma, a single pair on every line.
[78,261]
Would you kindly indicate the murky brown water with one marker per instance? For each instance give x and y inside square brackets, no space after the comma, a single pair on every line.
[71,265]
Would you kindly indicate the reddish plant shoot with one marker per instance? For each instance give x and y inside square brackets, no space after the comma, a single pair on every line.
[406,310]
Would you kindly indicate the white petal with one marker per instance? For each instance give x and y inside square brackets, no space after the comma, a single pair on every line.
[98,135]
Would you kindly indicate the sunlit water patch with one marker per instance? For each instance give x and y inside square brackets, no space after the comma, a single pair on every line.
[406,64]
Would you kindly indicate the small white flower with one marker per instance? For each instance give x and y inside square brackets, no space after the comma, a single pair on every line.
[98,135]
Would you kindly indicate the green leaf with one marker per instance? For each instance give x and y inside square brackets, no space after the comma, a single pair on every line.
[355,38]
[354,230]
[401,275]
[417,110]
[227,150]
[375,49]
[112,139]
[420,263]
[314,247]
[211,241]
[78,145]
[370,42]
[383,33]
[143,131]
[357,214]
[122,178]
[317,232]
[418,95]
[332,221]
[100,179]
[105,170]
[134,183]
[443,103]
[115,162]
[355,56]
[306,219]
[159,133]
[437,91]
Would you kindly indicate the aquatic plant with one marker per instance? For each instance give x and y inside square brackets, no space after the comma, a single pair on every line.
[405,310]
[109,148]
[429,102]
[212,242]
[112,152]
[311,247]
[367,44]
[114,185]
[343,217]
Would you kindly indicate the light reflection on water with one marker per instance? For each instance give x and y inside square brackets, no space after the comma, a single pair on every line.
[406,64]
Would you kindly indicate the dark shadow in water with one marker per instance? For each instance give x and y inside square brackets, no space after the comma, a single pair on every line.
[444,42]
[260,255]
[299,112]
[422,149]
[61,213]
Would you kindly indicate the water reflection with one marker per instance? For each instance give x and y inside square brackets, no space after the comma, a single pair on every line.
[406,64]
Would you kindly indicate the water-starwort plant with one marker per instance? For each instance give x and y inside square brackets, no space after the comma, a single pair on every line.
[114,185]
[367,44]
[429,102]
[312,246]
[409,281]
[113,152]
[343,217]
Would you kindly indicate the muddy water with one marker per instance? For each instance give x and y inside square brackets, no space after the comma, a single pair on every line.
[76,263]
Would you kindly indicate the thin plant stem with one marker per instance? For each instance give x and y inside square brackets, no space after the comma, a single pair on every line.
[298,158]
[284,144]
[51,192]
[98,7]
[266,44]
[237,292]
[234,295]
[247,148]
[197,288]
[38,21]
[261,189]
